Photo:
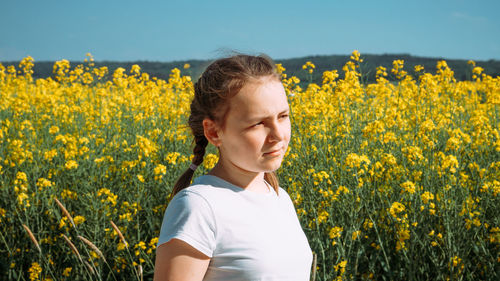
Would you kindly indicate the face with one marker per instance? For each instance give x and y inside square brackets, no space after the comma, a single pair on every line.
[257,128]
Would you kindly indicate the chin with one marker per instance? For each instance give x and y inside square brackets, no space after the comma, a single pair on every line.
[271,167]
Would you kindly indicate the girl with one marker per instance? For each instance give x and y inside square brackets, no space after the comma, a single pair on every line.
[235,223]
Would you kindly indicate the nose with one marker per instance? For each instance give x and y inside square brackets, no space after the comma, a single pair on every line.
[276,132]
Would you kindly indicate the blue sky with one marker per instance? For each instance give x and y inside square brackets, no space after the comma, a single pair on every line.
[177,30]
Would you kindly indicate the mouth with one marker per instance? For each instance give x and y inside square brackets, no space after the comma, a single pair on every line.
[275,152]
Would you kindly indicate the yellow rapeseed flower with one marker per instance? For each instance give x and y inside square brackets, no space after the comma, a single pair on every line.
[67,271]
[355,56]
[140,178]
[54,130]
[408,186]
[335,232]
[79,220]
[71,164]
[356,234]
[396,209]
[35,271]
[210,160]
[426,197]
[172,157]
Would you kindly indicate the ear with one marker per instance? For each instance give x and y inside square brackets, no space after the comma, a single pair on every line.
[211,131]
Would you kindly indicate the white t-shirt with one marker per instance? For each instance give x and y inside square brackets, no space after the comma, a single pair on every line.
[248,235]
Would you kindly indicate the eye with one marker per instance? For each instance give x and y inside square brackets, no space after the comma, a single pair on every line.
[257,124]
[284,116]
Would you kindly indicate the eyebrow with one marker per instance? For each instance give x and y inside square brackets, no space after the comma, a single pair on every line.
[250,120]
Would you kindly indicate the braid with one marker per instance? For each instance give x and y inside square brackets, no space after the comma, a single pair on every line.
[199,152]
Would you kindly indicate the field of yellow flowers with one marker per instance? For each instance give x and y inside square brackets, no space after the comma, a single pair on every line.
[390,180]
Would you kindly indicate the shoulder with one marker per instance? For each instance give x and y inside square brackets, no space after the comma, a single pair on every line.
[210,186]
[283,193]
[190,218]
[204,190]
[188,197]
[285,198]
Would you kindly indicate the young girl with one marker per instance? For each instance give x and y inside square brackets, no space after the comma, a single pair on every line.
[235,223]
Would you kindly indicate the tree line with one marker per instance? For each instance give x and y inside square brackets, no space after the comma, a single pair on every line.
[161,70]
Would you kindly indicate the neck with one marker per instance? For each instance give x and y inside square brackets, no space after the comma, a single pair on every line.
[248,180]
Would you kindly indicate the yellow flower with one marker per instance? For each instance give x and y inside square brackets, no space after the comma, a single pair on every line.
[121,246]
[54,130]
[147,148]
[408,186]
[340,267]
[140,178]
[136,69]
[381,71]
[356,234]
[367,224]
[210,160]
[140,245]
[22,199]
[322,216]
[397,69]
[111,197]
[127,216]
[477,70]
[494,235]
[20,176]
[66,193]
[308,64]
[342,189]
[63,221]
[404,234]
[79,220]
[354,160]
[426,197]
[49,155]
[71,164]
[396,209]
[456,261]
[449,162]
[94,255]
[356,56]
[172,157]
[159,171]
[67,271]
[2,213]
[43,183]
[330,76]
[35,271]
[335,232]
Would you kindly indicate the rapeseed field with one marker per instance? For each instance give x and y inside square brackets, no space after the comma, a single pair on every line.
[390,180]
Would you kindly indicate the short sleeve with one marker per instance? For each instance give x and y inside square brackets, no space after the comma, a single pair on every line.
[189,218]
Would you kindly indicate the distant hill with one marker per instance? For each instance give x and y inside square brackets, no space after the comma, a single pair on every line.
[370,62]
[161,70]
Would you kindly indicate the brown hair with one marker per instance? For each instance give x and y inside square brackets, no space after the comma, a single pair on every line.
[220,81]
